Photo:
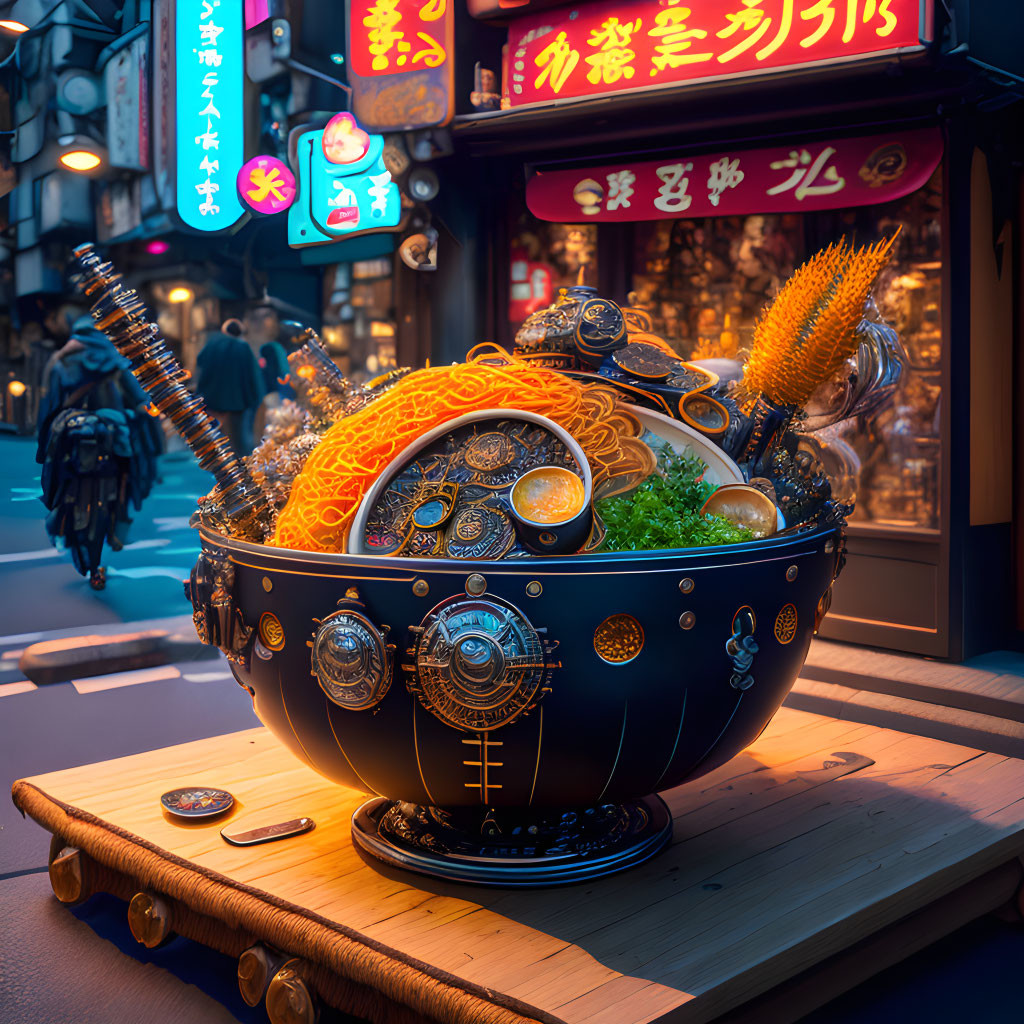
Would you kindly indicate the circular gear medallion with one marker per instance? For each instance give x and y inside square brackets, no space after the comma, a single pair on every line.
[478,664]
[351,661]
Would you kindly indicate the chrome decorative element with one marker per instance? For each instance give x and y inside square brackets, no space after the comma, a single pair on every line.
[741,648]
[513,847]
[351,658]
[870,379]
[211,590]
[478,664]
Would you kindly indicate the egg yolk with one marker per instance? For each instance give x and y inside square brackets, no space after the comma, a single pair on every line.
[548,495]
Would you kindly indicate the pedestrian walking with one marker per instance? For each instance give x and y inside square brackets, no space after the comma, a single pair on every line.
[231,383]
[98,446]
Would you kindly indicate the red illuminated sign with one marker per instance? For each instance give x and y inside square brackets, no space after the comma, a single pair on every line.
[388,36]
[620,45]
[802,176]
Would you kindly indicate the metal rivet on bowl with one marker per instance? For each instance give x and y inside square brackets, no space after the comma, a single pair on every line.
[268,584]
[686,585]
[791,573]
[830,546]
[476,584]
[534,588]
[687,620]
[421,588]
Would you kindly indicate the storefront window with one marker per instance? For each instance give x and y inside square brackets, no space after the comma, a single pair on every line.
[544,258]
[705,282]
[359,326]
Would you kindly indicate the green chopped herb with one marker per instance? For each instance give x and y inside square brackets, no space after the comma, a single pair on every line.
[664,511]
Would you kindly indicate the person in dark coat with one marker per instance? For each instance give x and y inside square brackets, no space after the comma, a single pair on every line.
[231,384]
[98,446]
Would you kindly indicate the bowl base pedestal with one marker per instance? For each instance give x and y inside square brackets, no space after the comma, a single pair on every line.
[512,847]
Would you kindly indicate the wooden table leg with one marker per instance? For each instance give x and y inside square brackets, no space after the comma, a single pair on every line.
[70,872]
[150,919]
[256,966]
[289,999]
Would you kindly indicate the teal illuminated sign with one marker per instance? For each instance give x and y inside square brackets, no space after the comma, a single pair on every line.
[344,187]
[210,135]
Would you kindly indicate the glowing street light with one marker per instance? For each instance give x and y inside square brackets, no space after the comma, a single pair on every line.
[79,153]
[179,294]
[80,160]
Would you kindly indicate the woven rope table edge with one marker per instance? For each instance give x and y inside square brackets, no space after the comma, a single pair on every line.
[415,984]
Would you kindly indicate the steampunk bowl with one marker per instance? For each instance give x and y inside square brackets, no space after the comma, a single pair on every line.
[512,718]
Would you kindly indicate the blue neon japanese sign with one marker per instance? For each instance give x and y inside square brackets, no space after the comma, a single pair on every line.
[210,68]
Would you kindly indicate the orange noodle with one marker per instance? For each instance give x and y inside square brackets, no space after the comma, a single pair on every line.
[359,447]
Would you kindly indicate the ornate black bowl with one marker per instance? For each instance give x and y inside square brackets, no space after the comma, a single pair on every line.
[513,717]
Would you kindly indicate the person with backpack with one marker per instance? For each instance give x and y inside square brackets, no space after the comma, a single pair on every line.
[98,447]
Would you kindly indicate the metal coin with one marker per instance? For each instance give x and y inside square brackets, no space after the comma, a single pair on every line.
[646,361]
[197,802]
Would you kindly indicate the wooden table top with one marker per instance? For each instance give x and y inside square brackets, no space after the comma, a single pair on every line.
[818,835]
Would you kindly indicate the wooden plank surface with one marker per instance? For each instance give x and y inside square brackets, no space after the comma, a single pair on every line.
[939,721]
[818,835]
[990,685]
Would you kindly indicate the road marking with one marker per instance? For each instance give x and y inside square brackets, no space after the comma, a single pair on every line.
[20,638]
[145,572]
[165,524]
[206,677]
[116,679]
[22,686]
[31,556]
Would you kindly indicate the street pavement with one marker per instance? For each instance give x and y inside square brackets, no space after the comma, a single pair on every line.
[82,964]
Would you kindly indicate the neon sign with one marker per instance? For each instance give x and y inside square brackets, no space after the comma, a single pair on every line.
[401,65]
[266,185]
[621,45]
[397,35]
[210,130]
[820,175]
[344,187]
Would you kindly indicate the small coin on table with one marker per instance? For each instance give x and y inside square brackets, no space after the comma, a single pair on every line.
[197,802]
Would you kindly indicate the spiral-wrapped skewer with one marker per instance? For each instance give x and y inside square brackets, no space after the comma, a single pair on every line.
[121,315]
[322,389]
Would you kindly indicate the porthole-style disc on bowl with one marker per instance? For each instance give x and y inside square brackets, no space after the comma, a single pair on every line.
[448,493]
